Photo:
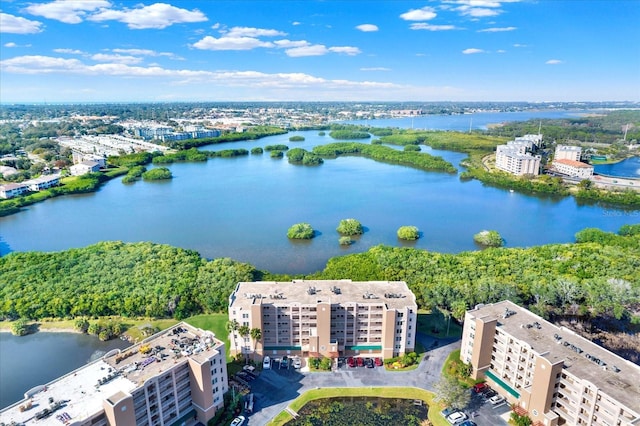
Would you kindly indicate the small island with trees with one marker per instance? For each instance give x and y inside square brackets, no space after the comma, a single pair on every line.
[301,231]
[408,233]
[489,238]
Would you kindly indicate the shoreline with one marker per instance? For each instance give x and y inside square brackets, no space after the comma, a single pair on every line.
[47,330]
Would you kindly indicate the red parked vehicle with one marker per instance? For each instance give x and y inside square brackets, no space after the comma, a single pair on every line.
[479,387]
[351,362]
[360,362]
[378,362]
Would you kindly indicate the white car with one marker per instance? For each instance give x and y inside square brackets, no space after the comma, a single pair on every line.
[457,417]
[296,363]
[266,364]
[238,421]
[497,399]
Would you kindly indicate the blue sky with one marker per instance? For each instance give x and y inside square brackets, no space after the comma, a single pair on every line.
[332,50]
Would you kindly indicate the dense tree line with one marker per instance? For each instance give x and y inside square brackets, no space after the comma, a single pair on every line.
[599,276]
[419,160]
[114,278]
[255,132]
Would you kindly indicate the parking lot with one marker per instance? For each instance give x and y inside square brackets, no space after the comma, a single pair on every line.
[276,387]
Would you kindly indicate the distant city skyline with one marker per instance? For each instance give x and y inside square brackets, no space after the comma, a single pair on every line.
[333,50]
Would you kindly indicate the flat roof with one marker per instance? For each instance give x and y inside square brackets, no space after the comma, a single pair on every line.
[561,344]
[573,163]
[394,294]
[80,394]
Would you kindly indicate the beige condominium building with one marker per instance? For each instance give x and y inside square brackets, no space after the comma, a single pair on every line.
[556,376]
[176,377]
[325,318]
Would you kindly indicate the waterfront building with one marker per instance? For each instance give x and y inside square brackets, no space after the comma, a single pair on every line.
[10,190]
[325,318]
[79,157]
[42,182]
[550,372]
[84,167]
[573,168]
[567,152]
[175,377]
[514,159]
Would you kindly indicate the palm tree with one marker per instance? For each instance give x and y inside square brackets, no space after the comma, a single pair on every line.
[244,333]
[256,335]
[232,327]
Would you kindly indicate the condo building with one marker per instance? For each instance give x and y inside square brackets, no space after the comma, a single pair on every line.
[175,377]
[573,168]
[567,152]
[514,159]
[324,318]
[556,376]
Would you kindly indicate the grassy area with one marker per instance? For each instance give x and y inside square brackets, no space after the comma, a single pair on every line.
[437,325]
[384,392]
[452,368]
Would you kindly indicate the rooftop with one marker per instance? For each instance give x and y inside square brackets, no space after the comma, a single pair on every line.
[614,375]
[568,148]
[573,163]
[393,294]
[80,394]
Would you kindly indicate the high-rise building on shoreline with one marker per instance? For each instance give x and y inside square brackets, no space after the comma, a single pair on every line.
[175,377]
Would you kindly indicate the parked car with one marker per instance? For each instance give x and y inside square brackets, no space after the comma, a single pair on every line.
[497,399]
[351,362]
[284,363]
[479,387]
[445,413]
[378,362]
[238,421]
[368,362]
[457,417]
[468,423]
[490,393]
[360,362]
[296,363]
[266,363]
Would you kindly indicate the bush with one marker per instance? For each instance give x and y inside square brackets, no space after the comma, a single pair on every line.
[489,238]
[296,155]
[296,138]
[350,227]
[414,148]
[20,327]
[159,173]
[321,133]
[82,325]
[349,134]
[276,154]
[257,150]
[301,231]
[276,148]
[408,233]
[345,241]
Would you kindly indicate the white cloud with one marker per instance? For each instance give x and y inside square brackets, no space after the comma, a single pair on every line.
[285,44]
[146,52]
[67,11]
[519,45]
[553,62]
[501,51]
[367,28]
[69,51]
[472,51]
[18,25]
[347,50]
[478,12]
[375,69]
[156,16]
[46,65]
[118,59]
[428,27]
[294,23]
[497,29]
[10,44]
[253,32]
[424,14]
[230,43]
[310,50]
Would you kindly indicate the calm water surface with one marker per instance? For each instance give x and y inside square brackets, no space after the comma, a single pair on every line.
[626,168]
[37,359]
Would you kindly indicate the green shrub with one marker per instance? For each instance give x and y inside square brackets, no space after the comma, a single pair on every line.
[20,327]
[159,173]
[348,134]
[489,238]
[345,241]
[414,148]
[301,231]
[350,227]
[257,150]
[321,133]
[296,138]
[276,154]
[276,148]
[408,233]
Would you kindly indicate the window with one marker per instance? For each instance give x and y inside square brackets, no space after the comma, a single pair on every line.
[245,315]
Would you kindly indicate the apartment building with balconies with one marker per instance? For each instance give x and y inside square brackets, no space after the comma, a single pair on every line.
[555,375]
[324,318]
[175,377]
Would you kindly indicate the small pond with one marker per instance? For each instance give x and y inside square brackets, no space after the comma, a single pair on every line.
[369,411]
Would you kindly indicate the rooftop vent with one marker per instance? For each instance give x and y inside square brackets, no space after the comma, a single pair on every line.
[557,337]
[311,290]
[614,368]
[336,290]
[253,295]
[277,296]
[394,295]
[368,295]
[507,313]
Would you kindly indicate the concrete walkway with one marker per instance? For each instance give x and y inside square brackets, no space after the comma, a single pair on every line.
[276,388]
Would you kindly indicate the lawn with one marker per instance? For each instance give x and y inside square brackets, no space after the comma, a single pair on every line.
[385,392]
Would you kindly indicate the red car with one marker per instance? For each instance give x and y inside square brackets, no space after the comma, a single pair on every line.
[479,387]
[360,362]
[378,362]
[351,362]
